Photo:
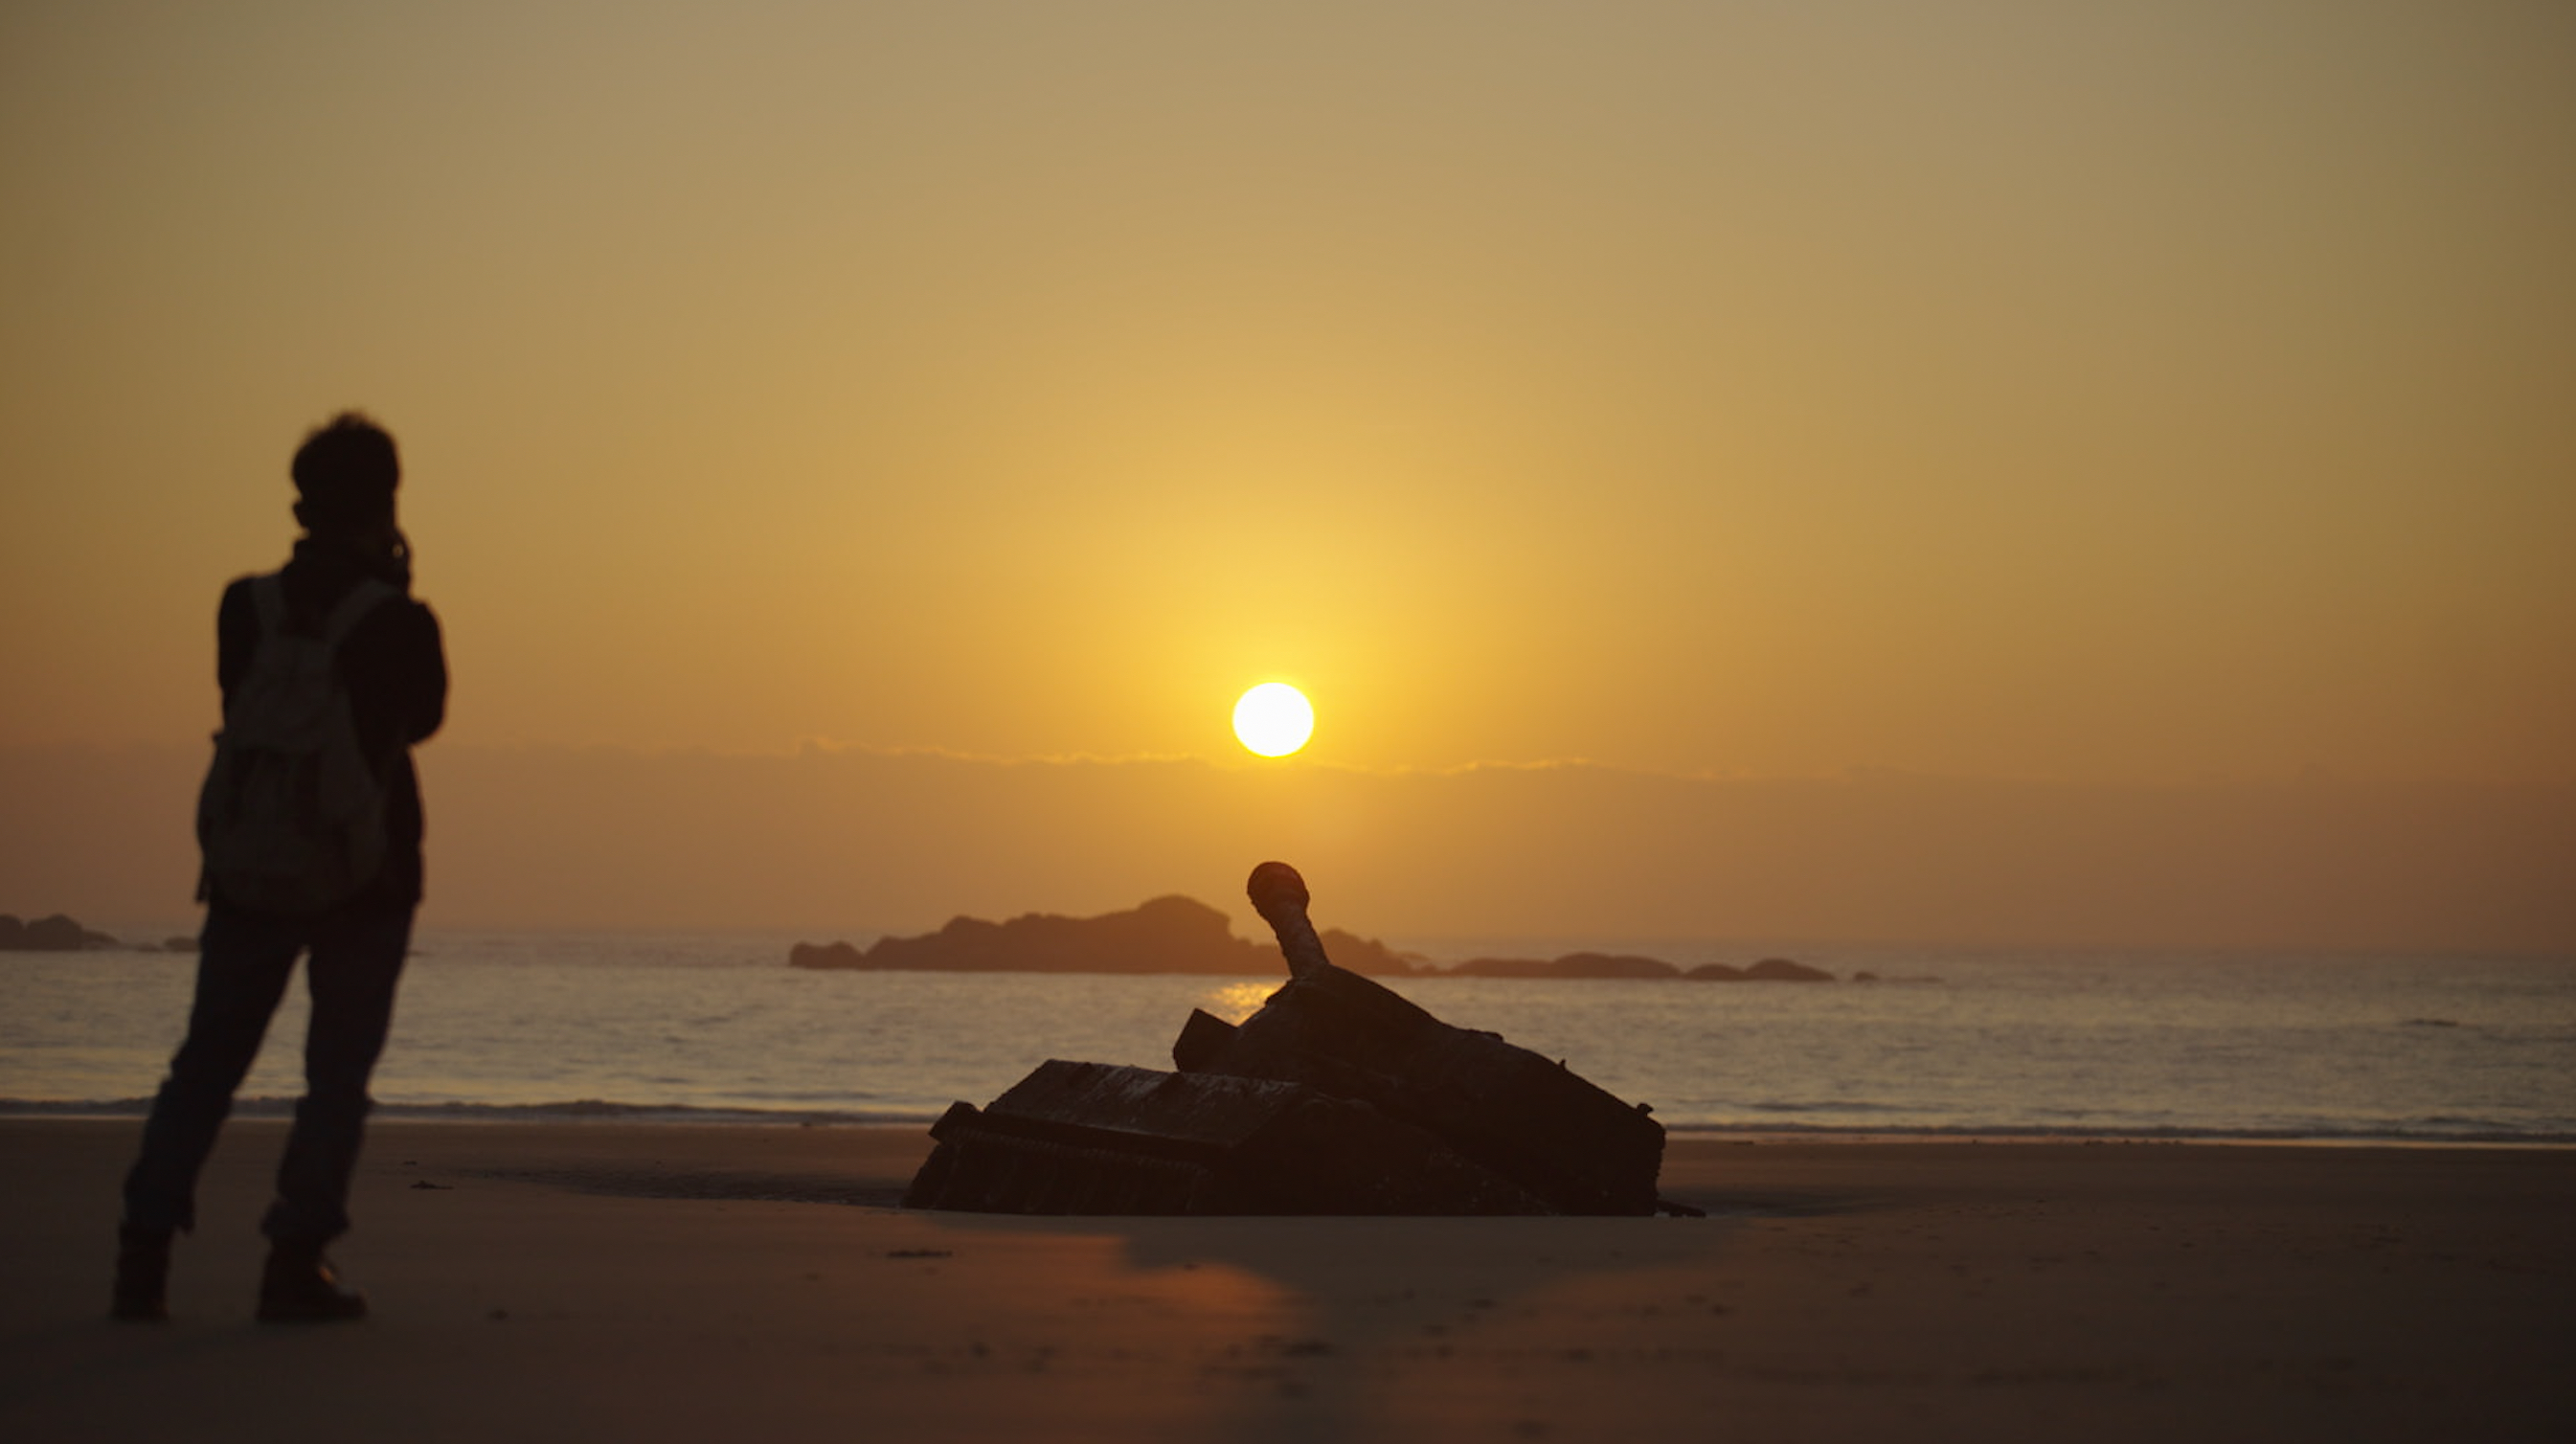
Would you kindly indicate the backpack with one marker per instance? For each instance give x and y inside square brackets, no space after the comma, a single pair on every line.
[292,815]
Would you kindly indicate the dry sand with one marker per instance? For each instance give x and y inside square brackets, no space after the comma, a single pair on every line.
[625,1282]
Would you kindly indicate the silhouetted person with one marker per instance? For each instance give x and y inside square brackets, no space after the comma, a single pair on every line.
[310,825]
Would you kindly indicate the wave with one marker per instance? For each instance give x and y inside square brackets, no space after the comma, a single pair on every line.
[2354,1136]
[2409,1133]
[566,1111]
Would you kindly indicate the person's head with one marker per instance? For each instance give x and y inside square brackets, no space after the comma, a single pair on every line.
[345,474]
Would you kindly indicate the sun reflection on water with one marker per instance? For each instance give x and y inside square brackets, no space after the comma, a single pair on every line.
[1237,1001]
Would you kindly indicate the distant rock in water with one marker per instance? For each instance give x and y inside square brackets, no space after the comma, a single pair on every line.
[1572,965]
[1182,935]
[55,934]
[1167,935]
[1630,965]
[1769,970]
[823,955]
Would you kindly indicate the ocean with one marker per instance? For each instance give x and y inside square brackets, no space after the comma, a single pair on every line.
[716,1027]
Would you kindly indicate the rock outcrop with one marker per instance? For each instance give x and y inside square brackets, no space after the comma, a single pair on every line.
[1181,935]
[1338,1096]
[55,934]
[1769,970]
[1166,935]
[1572,965]
[1629,965]
[1783,970]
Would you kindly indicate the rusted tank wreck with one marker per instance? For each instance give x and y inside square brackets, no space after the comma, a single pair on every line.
[1337,1097]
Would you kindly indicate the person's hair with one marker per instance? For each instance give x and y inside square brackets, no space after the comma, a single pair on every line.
[345,473]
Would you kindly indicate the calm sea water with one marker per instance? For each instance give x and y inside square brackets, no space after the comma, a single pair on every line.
[552,1025]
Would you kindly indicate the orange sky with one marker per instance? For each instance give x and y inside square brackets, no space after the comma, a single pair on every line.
[2109,395]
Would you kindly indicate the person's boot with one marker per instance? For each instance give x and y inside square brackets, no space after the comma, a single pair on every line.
[142,1292]
[298,1287]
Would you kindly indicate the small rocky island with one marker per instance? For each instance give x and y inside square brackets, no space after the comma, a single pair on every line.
[1183,935]
[55,934]
[1167,935]
[1622,965]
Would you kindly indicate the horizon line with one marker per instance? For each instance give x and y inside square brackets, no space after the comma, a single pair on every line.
[2309,775]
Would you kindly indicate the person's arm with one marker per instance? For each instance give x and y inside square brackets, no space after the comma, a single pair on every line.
[236,635]
[424,673]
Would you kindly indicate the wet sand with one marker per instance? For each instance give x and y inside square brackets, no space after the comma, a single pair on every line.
[634,1282]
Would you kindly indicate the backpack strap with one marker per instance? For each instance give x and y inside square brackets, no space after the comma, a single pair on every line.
[353,609]
[268,593]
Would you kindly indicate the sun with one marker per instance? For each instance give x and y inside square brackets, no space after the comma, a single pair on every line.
[1274,719]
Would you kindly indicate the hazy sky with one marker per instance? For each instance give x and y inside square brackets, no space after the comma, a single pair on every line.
[2102,394]
[2104,391]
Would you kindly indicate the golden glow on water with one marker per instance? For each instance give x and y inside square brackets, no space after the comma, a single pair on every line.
[1237,1001]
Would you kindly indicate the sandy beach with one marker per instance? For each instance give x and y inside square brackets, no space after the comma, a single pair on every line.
[668,1282]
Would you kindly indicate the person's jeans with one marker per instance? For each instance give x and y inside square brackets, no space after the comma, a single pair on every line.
[243,962]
